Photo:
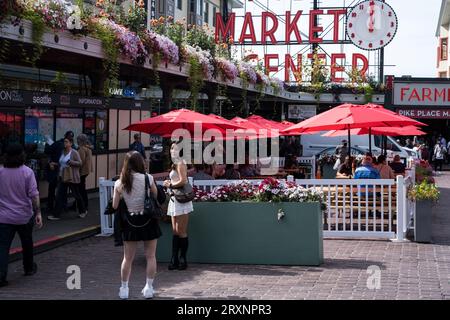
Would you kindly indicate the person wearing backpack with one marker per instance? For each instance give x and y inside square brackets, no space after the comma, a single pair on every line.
[133,187]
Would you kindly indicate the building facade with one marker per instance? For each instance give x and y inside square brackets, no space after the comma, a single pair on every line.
[442,35]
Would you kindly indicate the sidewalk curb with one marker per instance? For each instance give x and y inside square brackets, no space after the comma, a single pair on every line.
[55,241]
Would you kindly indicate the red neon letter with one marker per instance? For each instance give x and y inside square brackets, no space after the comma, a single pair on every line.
[365,66]
[290,66]
[248,21]
[267,59]
[335,68]
[269,33]
[336,14]
[426,94]
[221,30]
[414,95]
[313,28]
[293,26]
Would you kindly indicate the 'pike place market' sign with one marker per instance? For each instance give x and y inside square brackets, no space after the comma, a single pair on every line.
[371,25]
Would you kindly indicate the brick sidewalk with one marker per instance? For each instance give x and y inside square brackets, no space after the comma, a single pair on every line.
[408,271]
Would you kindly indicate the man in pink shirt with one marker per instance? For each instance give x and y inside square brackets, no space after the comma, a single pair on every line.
[19,209]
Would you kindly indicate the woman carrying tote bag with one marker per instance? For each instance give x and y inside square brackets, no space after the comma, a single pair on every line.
[132,189]
[179,211]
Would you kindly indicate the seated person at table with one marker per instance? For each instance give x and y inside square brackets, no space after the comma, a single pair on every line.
[218,170]
[200,173]
[345,169]
[398,166]
[248,170]
[367,171]
[231,173]
[386,171]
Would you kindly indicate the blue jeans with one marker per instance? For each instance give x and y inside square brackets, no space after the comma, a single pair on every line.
[7,233]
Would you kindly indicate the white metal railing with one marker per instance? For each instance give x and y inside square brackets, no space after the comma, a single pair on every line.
[375,208]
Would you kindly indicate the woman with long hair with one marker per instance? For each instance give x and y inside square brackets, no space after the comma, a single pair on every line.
[178,211]
[131,188]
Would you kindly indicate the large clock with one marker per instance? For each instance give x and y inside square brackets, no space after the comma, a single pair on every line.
[371,24]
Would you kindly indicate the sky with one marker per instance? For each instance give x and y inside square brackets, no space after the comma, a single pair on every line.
[412,52]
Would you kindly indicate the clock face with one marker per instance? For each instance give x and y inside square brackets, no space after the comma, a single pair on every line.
[371,24]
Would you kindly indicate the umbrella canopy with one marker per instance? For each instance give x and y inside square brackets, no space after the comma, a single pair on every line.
[351,116]
[265,123]
[165,124]
[382,131]
[250,125]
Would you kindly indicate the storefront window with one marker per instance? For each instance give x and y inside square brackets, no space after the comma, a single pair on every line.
[68,119]
[102,133]
[11,125]
[89,125]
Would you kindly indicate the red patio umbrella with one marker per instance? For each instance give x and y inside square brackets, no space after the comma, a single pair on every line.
[165,124]
[382,131]
[250,125]
[351,116]
[265,123]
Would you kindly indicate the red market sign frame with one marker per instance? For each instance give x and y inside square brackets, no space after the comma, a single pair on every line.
[248,32]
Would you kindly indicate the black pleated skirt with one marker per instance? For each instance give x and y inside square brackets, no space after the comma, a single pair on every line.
[150,231]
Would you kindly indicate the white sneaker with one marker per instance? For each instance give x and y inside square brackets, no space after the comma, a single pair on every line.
[123,293]
[83,215]
[147,292]
[53,218]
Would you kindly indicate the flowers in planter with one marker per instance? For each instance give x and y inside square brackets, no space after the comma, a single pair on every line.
[269,190]
[55,13]
[424,172]
[262,78]
[227,68]
[424,191]
[247,71]
[159,44]
[131,45]
[203,57]
[277,84]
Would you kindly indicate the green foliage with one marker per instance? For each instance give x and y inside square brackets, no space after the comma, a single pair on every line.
[424,191]
[59,83]
[200,37]
[37,33]
[111,51]
[136,18]
[195,80]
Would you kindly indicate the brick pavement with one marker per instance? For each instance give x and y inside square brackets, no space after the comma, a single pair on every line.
[408,271]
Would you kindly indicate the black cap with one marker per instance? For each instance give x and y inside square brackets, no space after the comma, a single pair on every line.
[69,134]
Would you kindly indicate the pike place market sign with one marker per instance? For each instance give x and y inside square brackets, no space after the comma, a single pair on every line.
[370,25]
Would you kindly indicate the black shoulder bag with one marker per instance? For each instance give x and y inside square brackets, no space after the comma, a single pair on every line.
[151,207]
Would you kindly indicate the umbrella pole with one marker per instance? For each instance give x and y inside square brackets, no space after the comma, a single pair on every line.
[349,144]
[370,140]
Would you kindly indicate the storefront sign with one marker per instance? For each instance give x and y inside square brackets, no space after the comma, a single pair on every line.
[421,94]
[90,101]
[371,24]
[9,96]
[420,113]
[301,111]
[38,99]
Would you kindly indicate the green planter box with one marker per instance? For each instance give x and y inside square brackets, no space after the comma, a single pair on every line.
[422,221]
[250,233]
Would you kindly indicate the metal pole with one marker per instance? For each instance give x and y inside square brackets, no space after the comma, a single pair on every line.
[349,144]
[370,140]
[381,66]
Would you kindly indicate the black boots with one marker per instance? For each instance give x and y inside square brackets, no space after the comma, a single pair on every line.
[179,244]
[174,263]
[183,248]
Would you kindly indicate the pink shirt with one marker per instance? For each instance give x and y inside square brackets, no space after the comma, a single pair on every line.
[17,188]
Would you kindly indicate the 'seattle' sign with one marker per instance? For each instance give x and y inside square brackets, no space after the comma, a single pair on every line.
[371,25]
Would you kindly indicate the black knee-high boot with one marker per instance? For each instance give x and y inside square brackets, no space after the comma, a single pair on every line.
[184,243]
[174,263]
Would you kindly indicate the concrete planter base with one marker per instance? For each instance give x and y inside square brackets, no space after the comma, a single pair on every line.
[250,233]
[422,221]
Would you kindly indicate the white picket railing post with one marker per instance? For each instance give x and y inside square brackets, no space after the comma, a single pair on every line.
[103,203]
[401,201]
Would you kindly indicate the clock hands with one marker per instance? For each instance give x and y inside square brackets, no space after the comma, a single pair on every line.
[372,17]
